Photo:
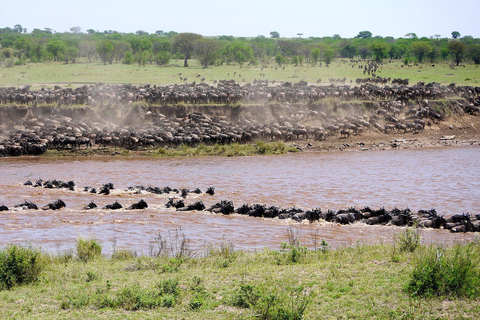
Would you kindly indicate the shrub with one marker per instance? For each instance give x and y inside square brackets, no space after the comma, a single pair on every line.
[246,296]
[289,304]
[446,272]
[87,249]
[408,241]
[19,265]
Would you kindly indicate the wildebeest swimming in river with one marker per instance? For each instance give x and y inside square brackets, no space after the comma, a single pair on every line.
[55,205]
[114,206]
[27,205]
[142,204]
[89,206]
[3,207]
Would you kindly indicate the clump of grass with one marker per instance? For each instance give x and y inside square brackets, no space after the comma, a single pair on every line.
[19,265]
[292,251]
[446,272]
[285,303]
[245,296]
[274,148]
[407,241]
[88,249]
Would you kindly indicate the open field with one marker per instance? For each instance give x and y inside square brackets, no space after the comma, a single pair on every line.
[363,282]
[80,73]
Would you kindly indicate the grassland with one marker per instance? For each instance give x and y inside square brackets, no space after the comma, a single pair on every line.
[363,282]
[48,74]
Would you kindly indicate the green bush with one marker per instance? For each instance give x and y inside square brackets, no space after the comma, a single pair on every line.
[19,265]
[287,305]
[408,241]
[447,272]
[246,296]
[87,249]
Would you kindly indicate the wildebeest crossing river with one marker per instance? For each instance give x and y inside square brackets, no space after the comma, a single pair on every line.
[447,179]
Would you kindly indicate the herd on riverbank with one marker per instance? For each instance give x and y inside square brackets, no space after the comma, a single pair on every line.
[464,222]
[298,112]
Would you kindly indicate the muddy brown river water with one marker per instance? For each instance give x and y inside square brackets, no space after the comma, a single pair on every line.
[447,179]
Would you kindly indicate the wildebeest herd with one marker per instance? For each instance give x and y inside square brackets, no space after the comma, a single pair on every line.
[33,122]
[176,199]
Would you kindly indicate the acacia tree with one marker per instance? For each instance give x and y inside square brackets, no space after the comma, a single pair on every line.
[206,51]
[315,54]
[474,53]
[364,35]
[104,49]
[237,51]
[274,34]
[55,47]
[88,49]
[185,44]
[144,47]
[328,56]
[119,50]
[70,53]
[379,49]
[457,49]
[420,49]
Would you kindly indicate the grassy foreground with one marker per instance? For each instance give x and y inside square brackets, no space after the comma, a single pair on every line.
[364,282]
[80,73]
[202,150]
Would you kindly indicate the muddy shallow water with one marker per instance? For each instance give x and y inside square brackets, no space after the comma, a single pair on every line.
[447,179]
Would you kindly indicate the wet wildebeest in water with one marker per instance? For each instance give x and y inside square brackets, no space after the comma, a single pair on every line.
[142,204]
[56,205]
[199,206]
[114,206]
[91,205]
[27,205]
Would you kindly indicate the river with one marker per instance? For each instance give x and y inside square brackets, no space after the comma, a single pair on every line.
[447,179]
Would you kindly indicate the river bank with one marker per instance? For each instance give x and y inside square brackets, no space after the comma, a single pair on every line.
[220,282]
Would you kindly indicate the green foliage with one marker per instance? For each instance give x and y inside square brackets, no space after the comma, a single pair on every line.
[457,49]
[328,56]
[238,52]
[185,44]
[206,51]
[455,34]
[315,54]
[280,60]
[162,58]
[446,272]
[379,49]
[245,296]
[287,304]
[91,276]
[364,35]
[474,53]
[88,249]
[420,49]
[104,49]
[407,241]
[274,34]
[273,148]
[55,47]
[128,59]
[19,265]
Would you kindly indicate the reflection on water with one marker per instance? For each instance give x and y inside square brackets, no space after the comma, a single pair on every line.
[447,179]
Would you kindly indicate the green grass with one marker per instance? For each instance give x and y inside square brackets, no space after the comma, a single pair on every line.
[202,150]
[347,283]
[74,75]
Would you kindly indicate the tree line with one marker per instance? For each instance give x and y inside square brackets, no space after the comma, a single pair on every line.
[17,46]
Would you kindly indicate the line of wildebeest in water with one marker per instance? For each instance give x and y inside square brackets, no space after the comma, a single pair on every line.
[464,222]
[397,108]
